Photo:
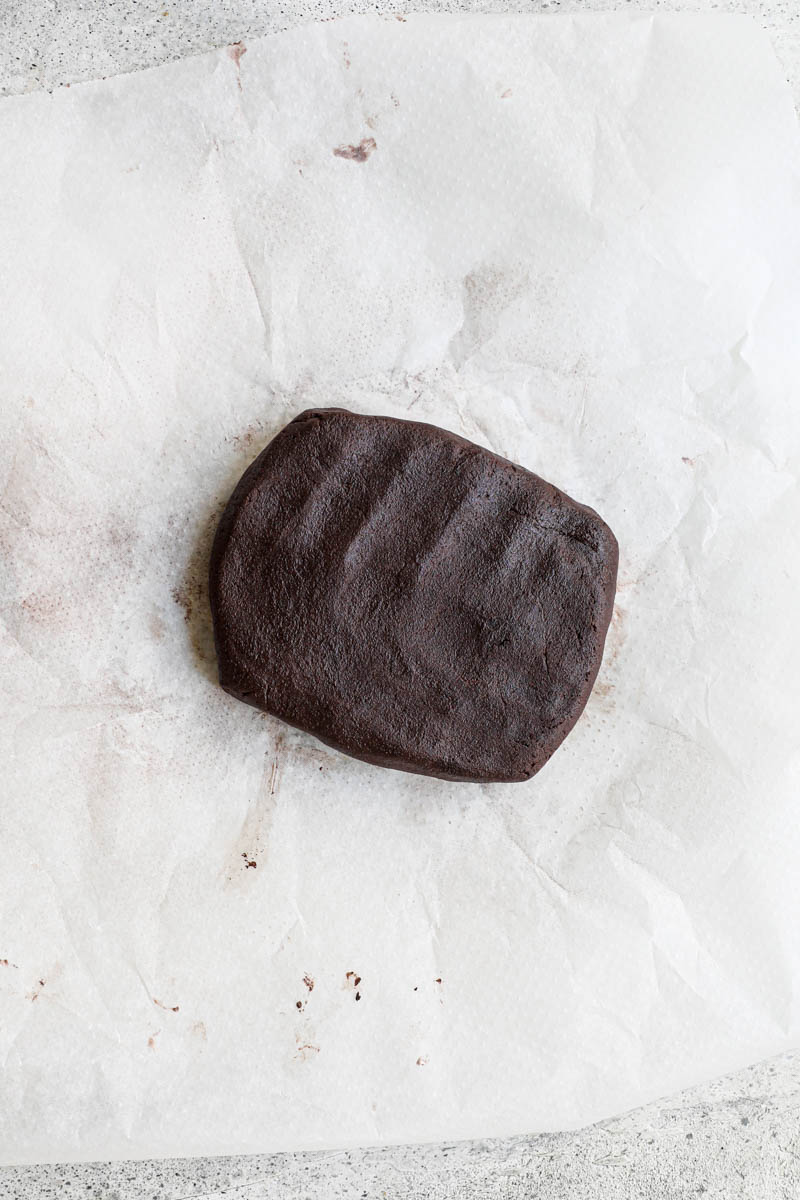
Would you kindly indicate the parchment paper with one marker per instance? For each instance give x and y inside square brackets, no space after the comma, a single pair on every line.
[576,241]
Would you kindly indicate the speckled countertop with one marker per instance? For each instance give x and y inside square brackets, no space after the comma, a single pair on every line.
[735,1139]
[45,43]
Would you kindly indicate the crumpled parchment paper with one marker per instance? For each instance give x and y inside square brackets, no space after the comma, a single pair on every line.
[576,241]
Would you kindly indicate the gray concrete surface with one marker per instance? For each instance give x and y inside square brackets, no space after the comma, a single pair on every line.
[44,43]
[734,1139]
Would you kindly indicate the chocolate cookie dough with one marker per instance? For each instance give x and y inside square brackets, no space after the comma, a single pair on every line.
[410,598]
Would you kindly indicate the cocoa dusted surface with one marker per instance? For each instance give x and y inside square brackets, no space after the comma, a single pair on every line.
[410,598]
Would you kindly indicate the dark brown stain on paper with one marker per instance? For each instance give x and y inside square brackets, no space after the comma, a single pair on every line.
[306,1050]
[358,153]
[188,596]
[236,51]
[166,1007]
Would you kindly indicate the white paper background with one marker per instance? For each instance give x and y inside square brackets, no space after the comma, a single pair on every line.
[576,241]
